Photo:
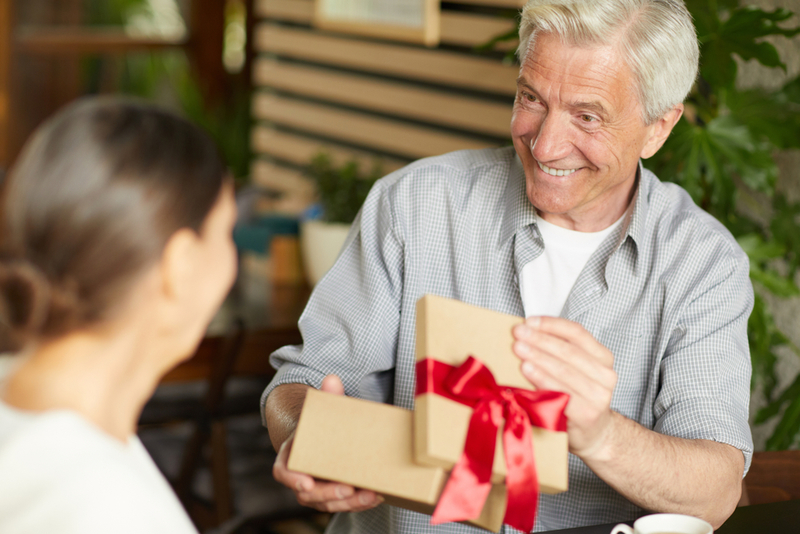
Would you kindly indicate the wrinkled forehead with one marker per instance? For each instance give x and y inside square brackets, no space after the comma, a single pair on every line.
[597,71]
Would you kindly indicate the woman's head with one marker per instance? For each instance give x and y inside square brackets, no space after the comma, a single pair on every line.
[98,193]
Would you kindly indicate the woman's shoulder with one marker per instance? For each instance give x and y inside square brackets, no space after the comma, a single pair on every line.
[57,470]
[52,436]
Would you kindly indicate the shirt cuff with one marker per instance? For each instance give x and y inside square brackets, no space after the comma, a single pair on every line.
[706,418]
[290,373]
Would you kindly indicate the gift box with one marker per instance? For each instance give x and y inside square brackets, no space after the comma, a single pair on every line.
[449,332]
[369,445]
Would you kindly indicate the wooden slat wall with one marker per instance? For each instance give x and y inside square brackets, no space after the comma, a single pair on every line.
[396,98]
[6,10]
[373,99]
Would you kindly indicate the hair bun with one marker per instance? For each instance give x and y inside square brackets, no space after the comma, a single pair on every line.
[24,300]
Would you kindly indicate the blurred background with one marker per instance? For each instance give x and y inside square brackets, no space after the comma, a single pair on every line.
[307,114]
[309,111]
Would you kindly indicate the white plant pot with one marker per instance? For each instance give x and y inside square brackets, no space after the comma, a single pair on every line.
[320,244]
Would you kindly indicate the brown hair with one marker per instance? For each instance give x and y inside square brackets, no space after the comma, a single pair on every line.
[94,197]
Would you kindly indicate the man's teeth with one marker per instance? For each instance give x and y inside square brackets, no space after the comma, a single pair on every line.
[555,172]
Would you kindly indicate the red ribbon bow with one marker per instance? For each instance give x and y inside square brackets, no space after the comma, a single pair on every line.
[469,484]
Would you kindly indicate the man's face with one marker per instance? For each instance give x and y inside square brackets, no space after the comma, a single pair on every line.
[578,129]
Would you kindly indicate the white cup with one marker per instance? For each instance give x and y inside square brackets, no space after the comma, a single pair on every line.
[665,524]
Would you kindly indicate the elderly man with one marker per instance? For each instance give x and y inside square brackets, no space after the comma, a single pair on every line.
[636,300]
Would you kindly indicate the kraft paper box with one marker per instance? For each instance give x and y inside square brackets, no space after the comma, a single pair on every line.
[450,331]
[369,445]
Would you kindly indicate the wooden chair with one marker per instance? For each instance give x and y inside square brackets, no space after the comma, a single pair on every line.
[774,476]
[207,414]
[241,353]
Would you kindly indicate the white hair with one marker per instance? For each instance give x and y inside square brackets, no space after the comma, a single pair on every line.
[657,40]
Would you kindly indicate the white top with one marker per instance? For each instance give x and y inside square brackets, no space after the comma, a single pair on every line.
[59,474]
[546,282]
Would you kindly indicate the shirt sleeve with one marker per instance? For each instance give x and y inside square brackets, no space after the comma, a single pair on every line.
[351,322]
[705,372]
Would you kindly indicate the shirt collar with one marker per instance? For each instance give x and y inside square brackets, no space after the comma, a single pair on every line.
[635,221]
[519,212]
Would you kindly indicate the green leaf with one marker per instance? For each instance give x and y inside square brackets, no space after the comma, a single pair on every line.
[511,35]
[787,429]
[784,229]
[718,66]
[705,159]
[763,337]
[749,22]
[679,159]
[706,15]
[739,35]
[724,4]
[792,91]
[342,190]
[770,116]
[740,153]
[773,408]
[777,284]
[759,250]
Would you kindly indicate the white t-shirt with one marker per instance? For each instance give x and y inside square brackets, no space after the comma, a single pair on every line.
[546,282]
[59,474]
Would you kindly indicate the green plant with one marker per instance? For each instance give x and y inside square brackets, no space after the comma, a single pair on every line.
[110,12]
[342,190]
[167,77]
[722,149]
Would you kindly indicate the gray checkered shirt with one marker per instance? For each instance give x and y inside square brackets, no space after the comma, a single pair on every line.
[668,293]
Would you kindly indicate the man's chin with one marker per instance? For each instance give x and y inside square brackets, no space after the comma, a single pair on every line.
[548,206]
[551,199]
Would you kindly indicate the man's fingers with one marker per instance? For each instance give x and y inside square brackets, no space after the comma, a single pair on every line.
[297,482]
[291,479]
[558,377]
[332,384]
[320,494]
[532,343]
[282,458]
[563,328]
[324,491]
[562,358]
[568,331]
[325,496]
[357,501]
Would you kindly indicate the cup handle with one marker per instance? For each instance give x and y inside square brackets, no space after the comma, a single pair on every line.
[622,528]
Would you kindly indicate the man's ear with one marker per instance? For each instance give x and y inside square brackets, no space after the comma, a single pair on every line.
[660,130]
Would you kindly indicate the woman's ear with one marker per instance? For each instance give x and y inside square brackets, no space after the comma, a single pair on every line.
[178,261]
[660,130]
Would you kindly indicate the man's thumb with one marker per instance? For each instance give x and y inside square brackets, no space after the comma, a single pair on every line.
[332,384]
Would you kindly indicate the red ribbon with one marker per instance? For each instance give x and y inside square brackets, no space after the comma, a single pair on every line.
[469,484]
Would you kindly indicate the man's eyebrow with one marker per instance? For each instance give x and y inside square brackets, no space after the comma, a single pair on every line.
[591,106]
[523,82]
[595,107]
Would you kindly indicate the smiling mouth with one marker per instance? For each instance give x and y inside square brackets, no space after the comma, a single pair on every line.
[555,172]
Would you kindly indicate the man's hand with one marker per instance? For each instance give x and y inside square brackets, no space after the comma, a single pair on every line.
[561,355]
[320,494]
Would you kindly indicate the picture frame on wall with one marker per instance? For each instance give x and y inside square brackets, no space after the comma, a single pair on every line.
[414,21]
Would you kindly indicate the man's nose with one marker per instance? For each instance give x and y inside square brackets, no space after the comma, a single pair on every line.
[553,140]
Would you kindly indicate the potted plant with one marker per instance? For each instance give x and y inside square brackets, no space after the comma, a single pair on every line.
[342,190]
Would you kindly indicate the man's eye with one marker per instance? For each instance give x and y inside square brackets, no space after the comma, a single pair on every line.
[587,118]
[529,97]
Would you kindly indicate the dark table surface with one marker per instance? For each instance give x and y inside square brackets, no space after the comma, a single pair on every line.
[772,518]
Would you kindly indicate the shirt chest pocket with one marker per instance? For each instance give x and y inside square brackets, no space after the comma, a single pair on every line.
[629,342]
[624,341]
